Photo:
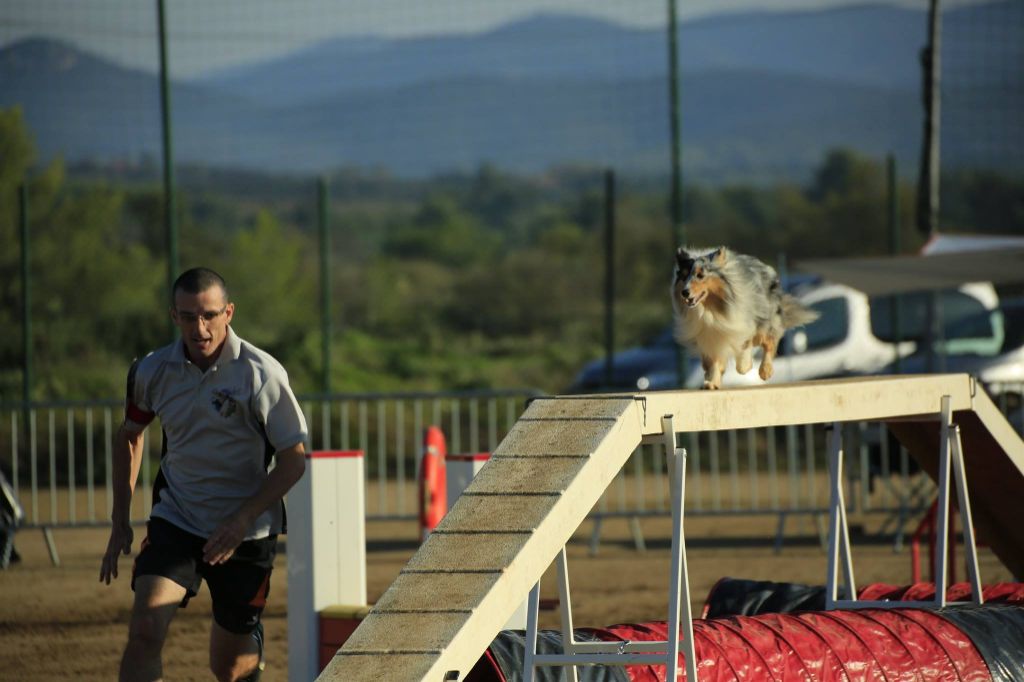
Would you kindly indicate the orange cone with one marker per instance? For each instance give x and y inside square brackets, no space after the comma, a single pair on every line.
[433,487]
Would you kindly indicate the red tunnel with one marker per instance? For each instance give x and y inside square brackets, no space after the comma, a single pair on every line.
[959,644]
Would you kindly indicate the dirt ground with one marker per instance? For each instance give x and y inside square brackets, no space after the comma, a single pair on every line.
[59,622]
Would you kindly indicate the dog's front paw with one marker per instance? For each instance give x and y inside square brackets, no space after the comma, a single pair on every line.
[743,365]
[711,386]
[765,371]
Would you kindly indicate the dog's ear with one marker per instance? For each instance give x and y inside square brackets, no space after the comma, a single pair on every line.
[683,259]
[719,256]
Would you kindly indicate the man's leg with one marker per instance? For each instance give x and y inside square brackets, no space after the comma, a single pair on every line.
[235,657]
[156,601]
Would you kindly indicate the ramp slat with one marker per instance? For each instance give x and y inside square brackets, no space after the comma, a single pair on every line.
[497,512]
[405,632]
[490,552]
[426,592]
[376,666]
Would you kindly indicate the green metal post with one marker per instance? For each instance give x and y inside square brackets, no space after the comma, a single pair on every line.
[674,123]
[26,302]
[170,216]
[678,234]
[325,285]
[928,180]
[609,276]
[895,248]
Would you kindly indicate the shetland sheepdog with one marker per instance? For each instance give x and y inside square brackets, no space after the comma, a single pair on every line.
[725,304]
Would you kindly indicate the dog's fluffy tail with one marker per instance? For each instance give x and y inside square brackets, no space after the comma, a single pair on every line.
[795,313]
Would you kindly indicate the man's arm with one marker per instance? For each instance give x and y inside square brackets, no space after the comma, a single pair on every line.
[291,463]
[127,458]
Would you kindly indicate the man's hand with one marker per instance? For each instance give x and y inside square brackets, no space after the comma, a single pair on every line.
[226,539]
[121,537]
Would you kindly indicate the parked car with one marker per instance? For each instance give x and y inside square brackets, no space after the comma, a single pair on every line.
[1000,368]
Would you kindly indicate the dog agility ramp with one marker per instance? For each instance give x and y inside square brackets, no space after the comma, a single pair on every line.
[456,592]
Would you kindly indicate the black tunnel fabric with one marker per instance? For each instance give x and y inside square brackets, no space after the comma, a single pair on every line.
[998,633]
[509,646]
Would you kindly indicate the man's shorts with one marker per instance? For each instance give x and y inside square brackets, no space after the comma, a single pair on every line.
[239,587]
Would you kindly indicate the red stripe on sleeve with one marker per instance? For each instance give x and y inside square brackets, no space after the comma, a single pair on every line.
[137,414]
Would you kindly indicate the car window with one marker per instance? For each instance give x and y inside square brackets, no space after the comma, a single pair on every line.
[831,327]
[1013,321]
[967,325]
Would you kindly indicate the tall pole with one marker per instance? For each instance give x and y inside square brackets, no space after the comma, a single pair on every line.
[26,302]
[928,182]
[678,234]
[894,248]
[170,217]
[325,285]
[674,126]
[609,277]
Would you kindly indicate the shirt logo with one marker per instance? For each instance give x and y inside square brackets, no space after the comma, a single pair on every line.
[224,401]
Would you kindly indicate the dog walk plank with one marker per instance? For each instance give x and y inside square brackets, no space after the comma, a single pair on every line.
[471,574]
[506,528]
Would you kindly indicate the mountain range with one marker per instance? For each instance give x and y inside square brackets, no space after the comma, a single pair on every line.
[763,95]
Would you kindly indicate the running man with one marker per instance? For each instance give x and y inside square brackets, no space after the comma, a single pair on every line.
[226,409]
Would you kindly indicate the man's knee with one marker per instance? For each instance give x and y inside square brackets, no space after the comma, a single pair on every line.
[147,631]
[241,669]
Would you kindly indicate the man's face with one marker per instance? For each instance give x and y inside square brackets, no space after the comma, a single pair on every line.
[203,319]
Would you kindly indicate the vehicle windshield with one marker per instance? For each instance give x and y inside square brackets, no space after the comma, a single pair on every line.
[966,326]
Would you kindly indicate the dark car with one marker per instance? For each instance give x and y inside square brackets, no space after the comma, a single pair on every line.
[632,367]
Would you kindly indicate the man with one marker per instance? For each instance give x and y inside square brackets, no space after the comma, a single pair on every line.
[225,406]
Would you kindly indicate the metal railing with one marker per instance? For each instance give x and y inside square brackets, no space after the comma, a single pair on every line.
[59,453]
[59,457]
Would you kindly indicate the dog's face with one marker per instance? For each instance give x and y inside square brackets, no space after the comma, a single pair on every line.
[699,279]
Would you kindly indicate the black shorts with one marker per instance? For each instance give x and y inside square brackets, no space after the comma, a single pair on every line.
[239,587]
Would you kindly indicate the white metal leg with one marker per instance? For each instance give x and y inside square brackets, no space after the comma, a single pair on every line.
[942,510]
[679,612]
[568,639]
[532,613]
[966,521]
[839,530]
[951,463]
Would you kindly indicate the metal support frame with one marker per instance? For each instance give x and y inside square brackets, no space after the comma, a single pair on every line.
[627,652]
[951,461]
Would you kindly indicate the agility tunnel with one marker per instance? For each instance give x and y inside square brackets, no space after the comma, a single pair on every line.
[957,643]
[450,601]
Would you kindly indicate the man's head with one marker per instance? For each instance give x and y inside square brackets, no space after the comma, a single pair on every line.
[200,308]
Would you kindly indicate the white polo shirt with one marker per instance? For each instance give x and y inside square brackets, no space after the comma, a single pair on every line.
[221,427]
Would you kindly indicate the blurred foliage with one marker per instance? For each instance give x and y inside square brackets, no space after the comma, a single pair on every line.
[462,281]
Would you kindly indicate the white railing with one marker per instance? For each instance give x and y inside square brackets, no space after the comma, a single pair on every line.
[62,469]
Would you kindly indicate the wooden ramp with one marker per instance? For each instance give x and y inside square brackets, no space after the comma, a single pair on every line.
[457,591]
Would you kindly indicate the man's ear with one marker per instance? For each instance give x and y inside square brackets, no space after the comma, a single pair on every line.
[720,256]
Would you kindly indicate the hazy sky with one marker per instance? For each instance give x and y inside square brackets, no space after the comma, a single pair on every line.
[207,35]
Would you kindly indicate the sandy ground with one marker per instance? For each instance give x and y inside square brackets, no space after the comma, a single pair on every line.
[59,622]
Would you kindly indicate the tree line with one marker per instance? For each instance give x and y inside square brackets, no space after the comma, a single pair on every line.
[482,279]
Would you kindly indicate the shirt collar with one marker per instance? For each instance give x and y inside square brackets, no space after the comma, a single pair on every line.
[232,349]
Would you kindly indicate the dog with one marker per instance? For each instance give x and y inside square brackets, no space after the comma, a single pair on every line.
[725,304]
